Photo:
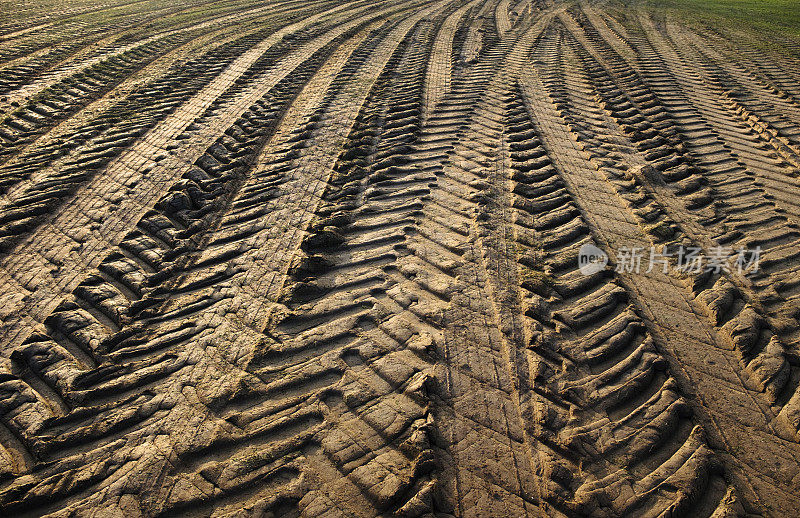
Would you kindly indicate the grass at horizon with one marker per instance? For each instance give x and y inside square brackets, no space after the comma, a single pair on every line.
[776,17]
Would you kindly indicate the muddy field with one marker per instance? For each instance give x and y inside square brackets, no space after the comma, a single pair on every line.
[330,258]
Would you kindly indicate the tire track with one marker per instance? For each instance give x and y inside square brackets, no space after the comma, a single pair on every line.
[476,35]
[269,429]
[265,266]
[725,419]
[119,269]
[723,170]
[503,18]
[322,260]
[71,89]
[615,368]
[94,34]
[67,233]
[715,216]
[79,62]
[440,66]
[476,419]
[764,115]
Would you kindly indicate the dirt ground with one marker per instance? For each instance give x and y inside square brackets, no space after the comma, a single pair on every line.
[332,258]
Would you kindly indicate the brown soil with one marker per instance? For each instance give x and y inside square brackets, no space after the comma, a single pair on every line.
[321,258]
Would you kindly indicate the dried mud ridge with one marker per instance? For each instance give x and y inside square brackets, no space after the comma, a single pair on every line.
[321,259]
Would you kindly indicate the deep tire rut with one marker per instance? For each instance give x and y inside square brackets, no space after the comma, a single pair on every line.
[323,259]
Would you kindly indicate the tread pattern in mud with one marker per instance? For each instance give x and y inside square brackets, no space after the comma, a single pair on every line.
[322,259]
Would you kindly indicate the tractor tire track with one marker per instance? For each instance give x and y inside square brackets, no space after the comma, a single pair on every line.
[323,259]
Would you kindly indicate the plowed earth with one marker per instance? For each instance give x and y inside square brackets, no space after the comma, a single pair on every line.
[320,258]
